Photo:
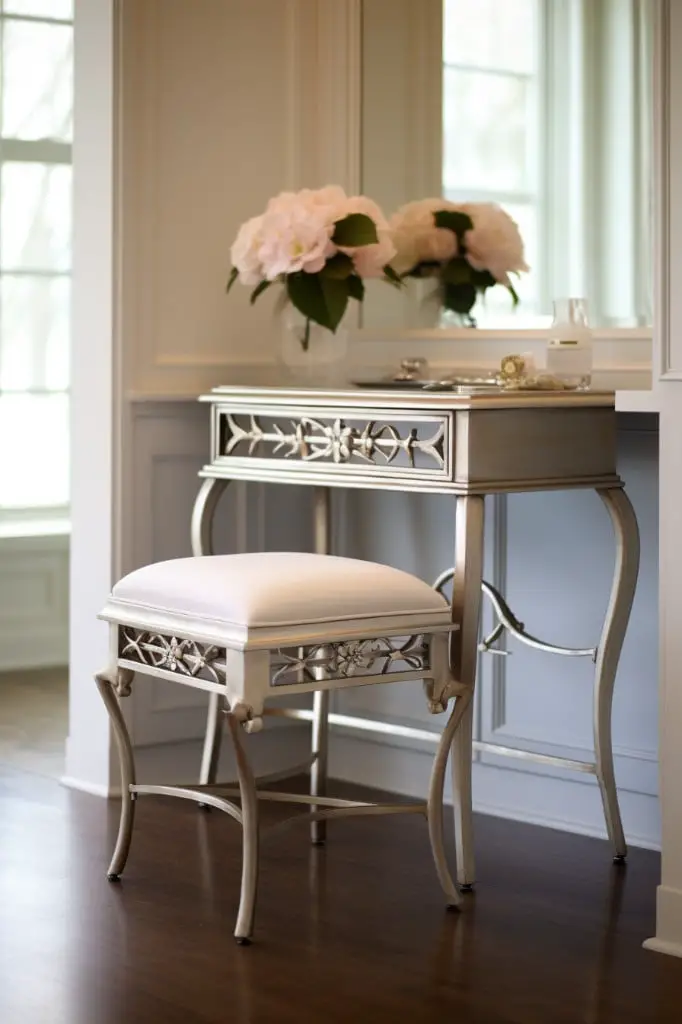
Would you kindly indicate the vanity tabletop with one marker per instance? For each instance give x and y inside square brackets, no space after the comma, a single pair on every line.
[408,398]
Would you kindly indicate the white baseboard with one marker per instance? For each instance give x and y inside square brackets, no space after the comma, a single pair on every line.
[659,946]
[668,938]
[93,788]
[176,763]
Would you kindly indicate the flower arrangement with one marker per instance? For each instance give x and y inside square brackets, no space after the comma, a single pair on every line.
[321,245]
[468,247]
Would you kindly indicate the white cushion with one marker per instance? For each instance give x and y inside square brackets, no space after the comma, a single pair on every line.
[273,589]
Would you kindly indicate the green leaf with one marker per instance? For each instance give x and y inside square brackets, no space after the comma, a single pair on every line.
[514,294]
[336,299]
[356,287]
[355,229]
[305,293]
[321,299]
[483,279]
[460,298]
[259,289]
[234,274]
[456,221]
[456,271]
[427,268]
[339,266]
[392,276]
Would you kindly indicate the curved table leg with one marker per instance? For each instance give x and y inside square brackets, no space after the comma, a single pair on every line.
[110,684]
[610,645]
[435,801]
[203,515]
[466,611]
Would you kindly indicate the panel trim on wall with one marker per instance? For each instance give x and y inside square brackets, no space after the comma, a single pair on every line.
[549,800]
[34,605]
[667,153]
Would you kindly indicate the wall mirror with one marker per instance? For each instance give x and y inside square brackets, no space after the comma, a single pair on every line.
[542,106]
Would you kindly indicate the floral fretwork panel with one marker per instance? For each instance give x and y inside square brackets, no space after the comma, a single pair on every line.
[379,656]
[186,657]
[335,440]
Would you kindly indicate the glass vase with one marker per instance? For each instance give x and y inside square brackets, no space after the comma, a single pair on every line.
[322,363]
[569,347]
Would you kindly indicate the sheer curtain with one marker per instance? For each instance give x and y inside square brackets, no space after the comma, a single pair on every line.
[547,110]
[36,42]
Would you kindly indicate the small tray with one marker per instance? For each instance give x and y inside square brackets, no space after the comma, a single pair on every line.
[458,385]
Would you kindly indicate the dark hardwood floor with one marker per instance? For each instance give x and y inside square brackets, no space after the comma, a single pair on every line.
[355,932]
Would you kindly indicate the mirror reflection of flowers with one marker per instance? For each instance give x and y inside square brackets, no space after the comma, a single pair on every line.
[467,247]
[321,245]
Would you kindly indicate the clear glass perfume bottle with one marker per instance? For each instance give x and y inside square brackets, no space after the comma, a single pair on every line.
[569,347]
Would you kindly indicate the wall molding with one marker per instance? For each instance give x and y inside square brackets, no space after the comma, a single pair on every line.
[665,153]
[502,792]
[34,602]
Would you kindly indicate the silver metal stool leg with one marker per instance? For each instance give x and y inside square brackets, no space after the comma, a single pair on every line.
[435,800]
[112,685]
[318,769]
[610,645]
[320,725]
[210,756]
[249,800]
[203,514]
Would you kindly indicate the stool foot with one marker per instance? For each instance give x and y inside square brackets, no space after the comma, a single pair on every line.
[619,859]
[452,908]
[242,940]
[467,887]
[319,842]
[112,877]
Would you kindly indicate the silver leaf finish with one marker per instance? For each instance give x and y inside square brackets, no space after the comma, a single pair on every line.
[334,440]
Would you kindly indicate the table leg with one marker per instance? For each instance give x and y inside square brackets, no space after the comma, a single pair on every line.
[466,612]
[610,645]
[320,728]
[203,515]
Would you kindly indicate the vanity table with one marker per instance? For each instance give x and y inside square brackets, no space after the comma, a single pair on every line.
[468,445]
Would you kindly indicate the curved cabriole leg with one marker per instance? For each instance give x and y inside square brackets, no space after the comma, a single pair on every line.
[249,800]
[610,645]
[203,514]
[435,801]
[466,612]
[112,685]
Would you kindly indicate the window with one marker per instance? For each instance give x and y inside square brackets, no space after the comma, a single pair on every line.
[36,126]
[490,120]
[547,111]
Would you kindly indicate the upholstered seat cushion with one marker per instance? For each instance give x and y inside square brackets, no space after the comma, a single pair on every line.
[274,589]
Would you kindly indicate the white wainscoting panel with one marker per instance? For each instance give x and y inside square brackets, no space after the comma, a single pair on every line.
[34,601]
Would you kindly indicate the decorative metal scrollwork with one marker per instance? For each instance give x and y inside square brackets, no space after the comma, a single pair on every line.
[507,622]
[311,439]
[378,656]
[185,657]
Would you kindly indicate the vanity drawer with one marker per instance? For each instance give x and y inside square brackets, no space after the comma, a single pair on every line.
[335,444]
